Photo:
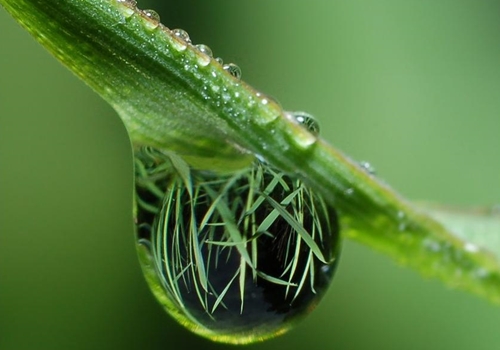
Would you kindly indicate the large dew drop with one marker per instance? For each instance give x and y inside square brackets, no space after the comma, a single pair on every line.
[239,257]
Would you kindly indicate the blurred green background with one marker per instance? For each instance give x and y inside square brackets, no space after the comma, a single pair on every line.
[412,86]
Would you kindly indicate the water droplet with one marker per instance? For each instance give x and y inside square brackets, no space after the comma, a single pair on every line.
[306,120]
[205,49]
[152,14]
[153,19]
[366,166]
[219,60]
[349,191]
[204,59]
[182,34]
[233,69]
[236,258]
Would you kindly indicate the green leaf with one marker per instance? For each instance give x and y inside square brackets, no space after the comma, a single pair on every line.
[173,97]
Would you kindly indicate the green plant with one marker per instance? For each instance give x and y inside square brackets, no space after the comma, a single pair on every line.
[366,207]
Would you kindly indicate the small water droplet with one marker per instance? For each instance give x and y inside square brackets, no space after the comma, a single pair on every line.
[233,69]
[152,15]
[306,120]
[366,166]
[219,60]
[204,59]
[205,49]
[182,34]
[153,19]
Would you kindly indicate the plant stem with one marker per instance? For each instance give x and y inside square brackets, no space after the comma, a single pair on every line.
[173,97]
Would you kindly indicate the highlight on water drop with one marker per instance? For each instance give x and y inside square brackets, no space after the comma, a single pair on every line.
[239,257]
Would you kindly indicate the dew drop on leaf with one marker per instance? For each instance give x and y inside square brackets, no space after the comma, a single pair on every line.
[151,14]
[368,167]
[233,69]
[182,34]
[238,257]
[306,120]
[205,49]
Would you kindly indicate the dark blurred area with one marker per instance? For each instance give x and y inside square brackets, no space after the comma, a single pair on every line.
[413,87]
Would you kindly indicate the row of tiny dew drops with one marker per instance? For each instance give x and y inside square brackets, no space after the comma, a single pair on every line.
[303,118]
[231,68]
[235,71]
